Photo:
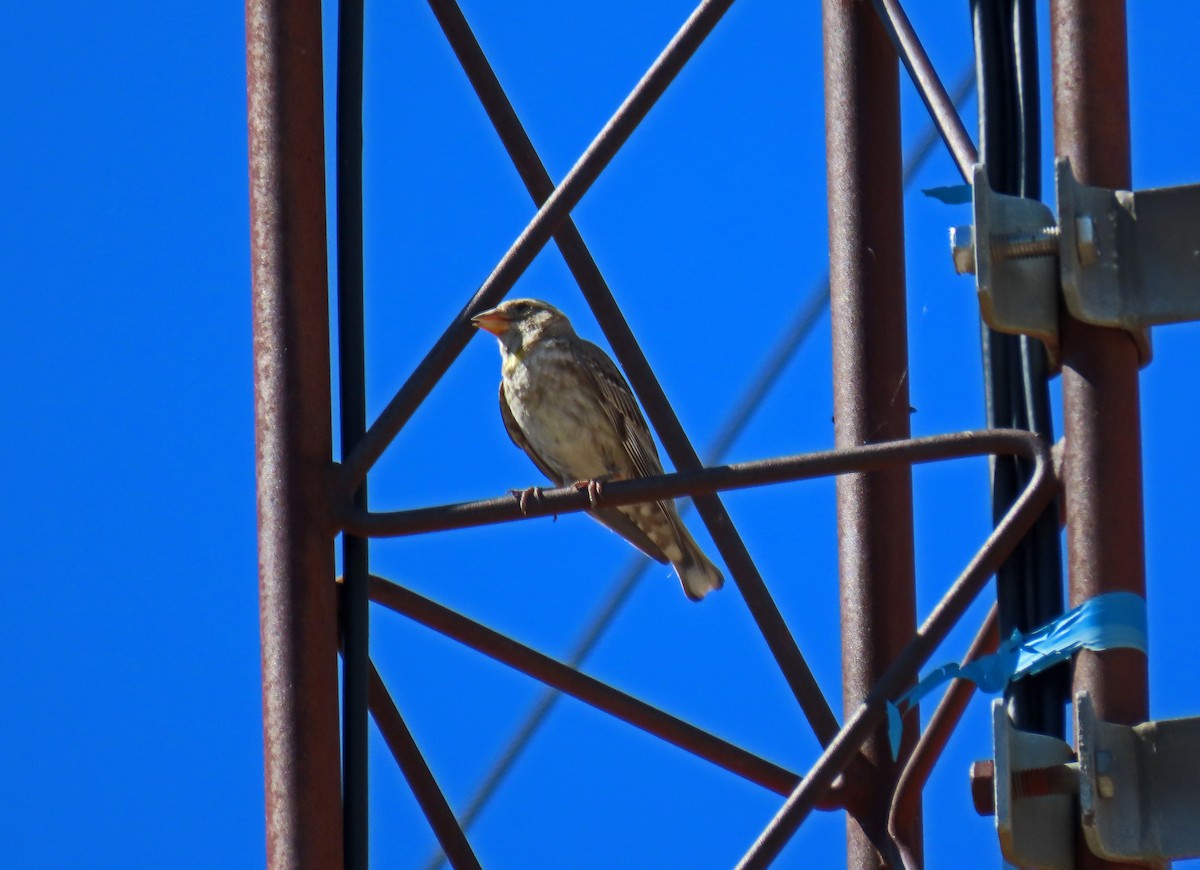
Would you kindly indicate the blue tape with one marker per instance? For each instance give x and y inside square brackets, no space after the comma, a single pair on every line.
[1110,621]
[955,194]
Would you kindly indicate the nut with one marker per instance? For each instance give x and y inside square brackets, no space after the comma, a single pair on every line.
[962,247]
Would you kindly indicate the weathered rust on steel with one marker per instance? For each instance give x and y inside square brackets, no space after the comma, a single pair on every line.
[933,741]
[420,778]
[588,689]
[739,475]
[872,712]
[298,609]
[598,295]
[1102,473]
[868,315]
[933,93]
[534,237]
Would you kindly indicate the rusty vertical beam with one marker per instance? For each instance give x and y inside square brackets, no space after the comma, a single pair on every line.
[870,353]
[293,433]
[1102,479]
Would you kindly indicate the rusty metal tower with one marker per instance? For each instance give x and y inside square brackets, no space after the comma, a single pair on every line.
[316,735]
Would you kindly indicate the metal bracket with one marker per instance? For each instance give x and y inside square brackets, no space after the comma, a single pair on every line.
[1126,259]
[1007,250]
[1036,829]
[1146,269]
[1139,788]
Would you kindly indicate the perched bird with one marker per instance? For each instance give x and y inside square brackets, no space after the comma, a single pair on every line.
[565,403]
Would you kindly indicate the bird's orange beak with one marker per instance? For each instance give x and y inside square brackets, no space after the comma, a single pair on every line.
[491,321]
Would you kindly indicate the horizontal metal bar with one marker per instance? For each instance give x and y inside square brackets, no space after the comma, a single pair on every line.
[871,713]
[533,238]
[741,475]
[588,689]
[929,86]
[420,778]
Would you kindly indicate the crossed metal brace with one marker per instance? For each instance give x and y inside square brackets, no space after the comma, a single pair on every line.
[553,221]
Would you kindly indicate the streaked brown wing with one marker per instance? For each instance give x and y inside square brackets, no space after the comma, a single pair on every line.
[620,406]
[610,517]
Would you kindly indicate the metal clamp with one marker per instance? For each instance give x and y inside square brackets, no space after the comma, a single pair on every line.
[1138,790]
[1125,259]
[1139,787]
[1147,266]
[1009,249]
[1034,788]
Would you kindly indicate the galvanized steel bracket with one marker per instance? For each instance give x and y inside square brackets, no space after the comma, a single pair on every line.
[1145,266]
[1017,288]
[1034,831]
[1125,259]
[1139,787]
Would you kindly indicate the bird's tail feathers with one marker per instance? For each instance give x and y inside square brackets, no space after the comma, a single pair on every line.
[696,571]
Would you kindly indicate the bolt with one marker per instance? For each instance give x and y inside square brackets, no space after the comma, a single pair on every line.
[1042,781]
[983,787]
[1029,783]
[1019,246]
[1041,242]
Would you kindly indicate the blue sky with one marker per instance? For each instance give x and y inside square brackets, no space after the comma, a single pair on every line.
[132,731]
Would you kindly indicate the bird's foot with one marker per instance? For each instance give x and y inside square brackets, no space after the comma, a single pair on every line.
[595,489]
[524,495]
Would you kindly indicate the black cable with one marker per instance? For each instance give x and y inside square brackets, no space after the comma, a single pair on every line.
[355,619]
[1016,369]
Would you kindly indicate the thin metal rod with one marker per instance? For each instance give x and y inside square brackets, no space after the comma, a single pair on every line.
[933,93]
[1102,466]
[933,741]
[550,696]
[641,376]
[921,148]
[297,604]
[740,475]
[588,689]
[352,394]
[534,237]
[1042,488]
[420,778]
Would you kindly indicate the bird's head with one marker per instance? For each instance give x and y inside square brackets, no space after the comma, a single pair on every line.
[519,323]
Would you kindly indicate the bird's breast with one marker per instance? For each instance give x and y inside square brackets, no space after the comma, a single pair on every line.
[557,408]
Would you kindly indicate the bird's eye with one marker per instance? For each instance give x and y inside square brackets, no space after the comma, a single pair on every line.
[522,308]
